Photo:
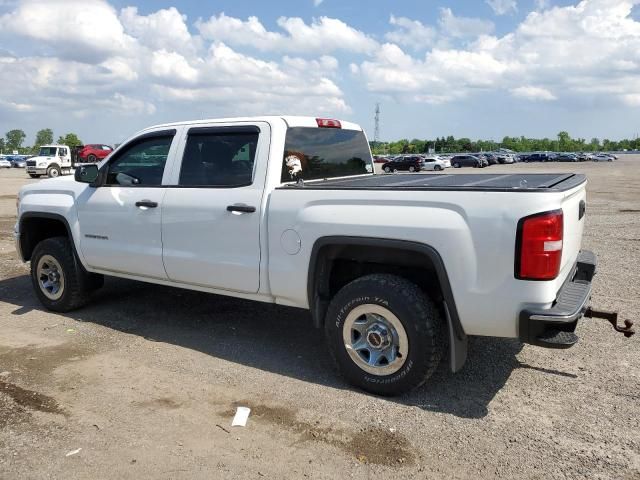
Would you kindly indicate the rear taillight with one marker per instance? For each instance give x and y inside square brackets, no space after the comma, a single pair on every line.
[539,246]
[328,123]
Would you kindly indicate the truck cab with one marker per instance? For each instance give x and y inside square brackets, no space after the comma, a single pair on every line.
[52,161]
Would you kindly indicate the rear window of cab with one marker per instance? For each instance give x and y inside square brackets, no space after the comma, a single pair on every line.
[319,153]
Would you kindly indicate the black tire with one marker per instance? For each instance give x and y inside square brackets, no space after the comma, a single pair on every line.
[53,171]
[387,169]
[412,168]
[91,158]
[456,165]
[417,314]
[437,168]
[77,281]
[34,175]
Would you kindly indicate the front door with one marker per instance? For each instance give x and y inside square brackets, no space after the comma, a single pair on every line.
[120,221]
[211,217]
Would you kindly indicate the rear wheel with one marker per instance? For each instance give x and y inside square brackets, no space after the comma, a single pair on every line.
[437,168]
[412,168]
[91,158]
[60,281]
[384,333]
[456,165]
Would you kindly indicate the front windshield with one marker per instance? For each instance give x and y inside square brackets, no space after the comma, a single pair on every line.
[47,151]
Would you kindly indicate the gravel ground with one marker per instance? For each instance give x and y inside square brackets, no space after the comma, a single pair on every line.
[145,381]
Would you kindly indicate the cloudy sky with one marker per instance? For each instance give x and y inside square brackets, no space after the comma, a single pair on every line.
[104,69]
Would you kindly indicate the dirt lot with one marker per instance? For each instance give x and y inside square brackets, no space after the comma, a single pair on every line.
[145,380]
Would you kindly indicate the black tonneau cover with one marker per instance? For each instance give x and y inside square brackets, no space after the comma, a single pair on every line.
[512,182]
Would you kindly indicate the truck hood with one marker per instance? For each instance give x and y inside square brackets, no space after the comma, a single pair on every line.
[65,183]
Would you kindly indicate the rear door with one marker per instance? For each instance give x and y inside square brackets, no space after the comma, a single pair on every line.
[212,212]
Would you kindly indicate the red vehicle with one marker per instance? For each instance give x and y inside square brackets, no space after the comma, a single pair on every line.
[94,152]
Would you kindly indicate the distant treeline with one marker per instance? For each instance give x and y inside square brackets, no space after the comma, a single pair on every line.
[562,143]
[14,139]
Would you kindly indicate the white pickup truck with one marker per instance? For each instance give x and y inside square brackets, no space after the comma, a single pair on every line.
[397,269]
[52,160]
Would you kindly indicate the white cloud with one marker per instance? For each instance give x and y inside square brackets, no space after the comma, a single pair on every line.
[323,35]
[164,29]
[542,4]
[530,92]
[502,7]
[85,30]
[461,27]
[410,33]
[580,52]
[316,3]
[129,64]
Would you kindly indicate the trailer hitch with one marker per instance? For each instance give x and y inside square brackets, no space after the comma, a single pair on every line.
[612,318]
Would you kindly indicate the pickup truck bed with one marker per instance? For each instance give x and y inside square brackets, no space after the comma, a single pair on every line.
[531,182]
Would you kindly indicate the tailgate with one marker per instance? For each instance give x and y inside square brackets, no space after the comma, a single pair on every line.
[573,209]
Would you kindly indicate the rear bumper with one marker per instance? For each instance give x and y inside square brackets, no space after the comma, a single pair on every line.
[569,307]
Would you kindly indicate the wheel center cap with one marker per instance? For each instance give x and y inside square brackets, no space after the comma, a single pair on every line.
[378,337]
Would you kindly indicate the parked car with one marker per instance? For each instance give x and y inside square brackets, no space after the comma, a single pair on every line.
[459,161]
[583,156]
[4,163]
[395,278]
[491,158]
[380,159]
[431,163]
[504,158]
[19,162]
[602,157]
[566,157]
[540,157]
[93,152]
[412,163]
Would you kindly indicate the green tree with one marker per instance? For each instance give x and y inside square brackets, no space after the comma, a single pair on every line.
[564,141]
[15,139]
[2,145]
[43,137]
[70,139]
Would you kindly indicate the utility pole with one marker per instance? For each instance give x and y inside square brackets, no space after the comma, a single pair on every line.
[376,130]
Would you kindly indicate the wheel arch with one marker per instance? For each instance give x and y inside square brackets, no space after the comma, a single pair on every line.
[381,253]
[37,226]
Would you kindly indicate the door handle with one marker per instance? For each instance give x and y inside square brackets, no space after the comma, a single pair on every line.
[241,208]
[146,203]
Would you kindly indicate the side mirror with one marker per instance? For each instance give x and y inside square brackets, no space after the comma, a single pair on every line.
[86,173]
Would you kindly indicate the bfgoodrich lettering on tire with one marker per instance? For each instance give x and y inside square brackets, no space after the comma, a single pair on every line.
[385,334]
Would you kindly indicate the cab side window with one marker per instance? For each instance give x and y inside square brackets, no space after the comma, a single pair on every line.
[218,158]
[141,164]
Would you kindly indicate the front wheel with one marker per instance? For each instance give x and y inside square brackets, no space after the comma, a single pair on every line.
[91,158]
[437,168]
[53,171]
[385,334]
[387,169]
[60,281]
[456,165]
[412,168]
